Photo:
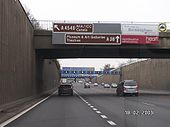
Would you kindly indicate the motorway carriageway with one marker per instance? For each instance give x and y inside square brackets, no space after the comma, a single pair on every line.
[97,107]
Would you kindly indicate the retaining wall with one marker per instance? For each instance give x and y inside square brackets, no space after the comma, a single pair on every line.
[23,75]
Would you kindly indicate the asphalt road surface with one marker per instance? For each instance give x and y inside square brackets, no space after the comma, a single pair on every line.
[98,107]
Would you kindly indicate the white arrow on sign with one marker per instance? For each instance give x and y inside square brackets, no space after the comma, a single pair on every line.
[117,39]
[56,26]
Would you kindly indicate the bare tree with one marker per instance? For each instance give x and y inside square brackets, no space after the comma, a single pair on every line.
[106,67]
[34,22]
[121,64]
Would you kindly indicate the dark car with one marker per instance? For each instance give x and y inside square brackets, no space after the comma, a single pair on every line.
[65,89]
[86,85]
[127,87]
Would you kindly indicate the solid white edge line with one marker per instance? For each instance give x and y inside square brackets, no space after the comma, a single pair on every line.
[103,116]
[23,112]
[111,123]
[81,97]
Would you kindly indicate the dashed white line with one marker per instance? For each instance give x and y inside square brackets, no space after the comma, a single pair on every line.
[94,109]
[148,104]
[103,116]
[111,123]
[98,112]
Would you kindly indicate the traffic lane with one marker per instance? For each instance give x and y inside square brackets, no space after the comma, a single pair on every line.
[162,101]
[61,111]
[150,99]
[115,107]
[116,112]
[94,90]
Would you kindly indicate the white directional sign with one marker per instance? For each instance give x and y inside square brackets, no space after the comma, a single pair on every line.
[111,39]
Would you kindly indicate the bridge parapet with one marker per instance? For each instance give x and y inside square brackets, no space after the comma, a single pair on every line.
[45,48]
[43,40]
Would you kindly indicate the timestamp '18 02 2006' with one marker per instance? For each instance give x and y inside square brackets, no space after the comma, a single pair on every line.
[140,113]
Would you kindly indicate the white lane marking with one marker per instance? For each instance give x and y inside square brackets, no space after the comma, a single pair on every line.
[82,100]
[103,116]
[23,112]
[111,123]
[148,104]
[98,112]
[94,109]
[80,97]
[85,101]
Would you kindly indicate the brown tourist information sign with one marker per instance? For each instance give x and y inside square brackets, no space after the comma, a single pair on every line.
[69,27]
[103,39]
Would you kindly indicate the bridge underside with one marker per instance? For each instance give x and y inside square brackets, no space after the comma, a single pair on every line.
[45,49]
[77,51]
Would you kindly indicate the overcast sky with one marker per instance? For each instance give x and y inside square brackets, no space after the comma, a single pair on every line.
[99,10]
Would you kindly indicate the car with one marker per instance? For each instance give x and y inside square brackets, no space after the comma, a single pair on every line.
[106,86]
[86,85]
[80,81]
[65,89]
[102,83]
[127,87]
[113,85]
[95,84]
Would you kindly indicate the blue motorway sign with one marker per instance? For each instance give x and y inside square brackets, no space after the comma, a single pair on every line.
[83,72]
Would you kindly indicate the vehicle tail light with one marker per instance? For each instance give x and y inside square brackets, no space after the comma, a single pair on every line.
[137,88]
[124,88]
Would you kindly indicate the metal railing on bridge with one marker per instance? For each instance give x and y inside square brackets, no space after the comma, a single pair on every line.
[48,24]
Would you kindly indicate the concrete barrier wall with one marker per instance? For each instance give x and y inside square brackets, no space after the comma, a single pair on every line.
[150,74]
[23,75]
[107,79]
[16,53]
[51,75]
